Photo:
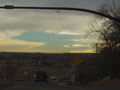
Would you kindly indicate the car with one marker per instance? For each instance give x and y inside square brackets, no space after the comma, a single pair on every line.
[52,77]
[41,76]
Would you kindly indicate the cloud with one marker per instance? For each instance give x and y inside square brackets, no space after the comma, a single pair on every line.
[26,20]
[83,51]
[84,40]
[66,46]
[51,51]
[62,23]
[91,4]
[35,50]
[14,22]
[4,35]
[20,44]
[68,33]
[80,45]
[7,41]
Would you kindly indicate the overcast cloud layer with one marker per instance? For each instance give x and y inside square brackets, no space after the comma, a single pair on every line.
[90,4]
[24,20]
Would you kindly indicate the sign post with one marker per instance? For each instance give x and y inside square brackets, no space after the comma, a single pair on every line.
[77,61]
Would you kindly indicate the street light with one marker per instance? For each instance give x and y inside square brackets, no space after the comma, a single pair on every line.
[61,8]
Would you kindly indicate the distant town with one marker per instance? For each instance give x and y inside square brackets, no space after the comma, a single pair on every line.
[14,65]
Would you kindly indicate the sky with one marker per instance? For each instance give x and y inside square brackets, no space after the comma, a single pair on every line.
[47,31]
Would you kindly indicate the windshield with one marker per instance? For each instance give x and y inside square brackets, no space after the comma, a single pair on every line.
[73,42]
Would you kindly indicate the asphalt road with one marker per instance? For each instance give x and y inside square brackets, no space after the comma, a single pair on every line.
[47,86]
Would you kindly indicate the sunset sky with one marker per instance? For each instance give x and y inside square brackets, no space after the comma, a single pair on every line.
[47,31]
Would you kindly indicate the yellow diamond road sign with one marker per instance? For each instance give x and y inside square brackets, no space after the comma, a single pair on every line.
[77,60]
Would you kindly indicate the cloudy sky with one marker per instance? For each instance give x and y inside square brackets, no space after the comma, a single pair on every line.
[47,31]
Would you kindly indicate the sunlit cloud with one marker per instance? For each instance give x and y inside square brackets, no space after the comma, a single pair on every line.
[37,50]
[51,51]
[66,46]
[80,45]
[21,43]
[8,42]
[84,40]
[4,35]
[66,33]
[83,51]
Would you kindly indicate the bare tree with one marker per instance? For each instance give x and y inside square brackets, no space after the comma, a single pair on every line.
[109,34]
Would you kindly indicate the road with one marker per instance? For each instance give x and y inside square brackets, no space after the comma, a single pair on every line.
[48,86]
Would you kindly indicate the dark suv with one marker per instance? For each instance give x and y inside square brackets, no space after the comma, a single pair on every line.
[41,76]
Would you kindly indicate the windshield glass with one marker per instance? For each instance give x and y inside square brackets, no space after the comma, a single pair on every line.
[76,45]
